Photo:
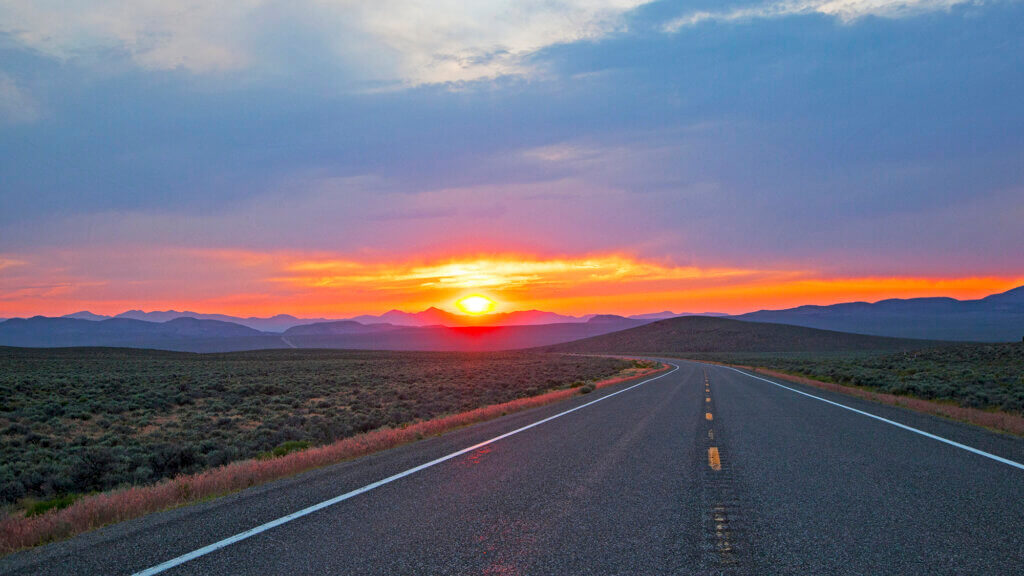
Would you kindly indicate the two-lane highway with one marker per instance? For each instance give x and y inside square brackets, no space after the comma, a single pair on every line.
[705,470]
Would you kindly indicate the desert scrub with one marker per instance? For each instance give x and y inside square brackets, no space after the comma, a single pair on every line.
[91,419]
[983,376]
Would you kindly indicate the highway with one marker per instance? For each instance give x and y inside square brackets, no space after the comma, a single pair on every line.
[705,470]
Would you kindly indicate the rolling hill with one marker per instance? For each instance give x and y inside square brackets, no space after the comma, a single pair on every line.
[276,323]
[182,334]
[351,335]
[848,326]
[194,335]
[995,318]
[281,322]
[705,334]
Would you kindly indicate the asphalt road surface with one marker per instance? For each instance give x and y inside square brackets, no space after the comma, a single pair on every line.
[703,471]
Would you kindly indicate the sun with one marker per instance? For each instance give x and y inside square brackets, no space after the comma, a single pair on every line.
[475,304]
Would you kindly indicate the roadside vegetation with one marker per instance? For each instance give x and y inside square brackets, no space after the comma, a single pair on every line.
[81,421]
[988,377]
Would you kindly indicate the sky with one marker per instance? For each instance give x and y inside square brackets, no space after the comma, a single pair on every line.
[340,157]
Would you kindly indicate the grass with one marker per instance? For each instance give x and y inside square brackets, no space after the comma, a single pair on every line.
[56,503]
[20,530]
[284,449]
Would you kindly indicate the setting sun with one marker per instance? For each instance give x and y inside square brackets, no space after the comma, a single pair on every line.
[475,304]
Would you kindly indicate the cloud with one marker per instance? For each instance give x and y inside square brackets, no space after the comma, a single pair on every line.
[16,105]
[502,272]
[450,40]
[199,36]
[6,262]
[844,10]
[417,42]
[111,279]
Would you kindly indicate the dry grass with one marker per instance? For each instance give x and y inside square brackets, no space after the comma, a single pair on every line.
[90,512]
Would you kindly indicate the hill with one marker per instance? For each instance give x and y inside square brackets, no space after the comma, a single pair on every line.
[995,318]
[281,322]
[704,334]
[184,334]
[276,323]
[187,334]
[338,327]
[435,316]
[344,335]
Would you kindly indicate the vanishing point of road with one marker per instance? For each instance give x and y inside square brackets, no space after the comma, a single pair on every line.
[704,470]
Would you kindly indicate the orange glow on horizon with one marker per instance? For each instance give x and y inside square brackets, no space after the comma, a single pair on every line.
[311,285]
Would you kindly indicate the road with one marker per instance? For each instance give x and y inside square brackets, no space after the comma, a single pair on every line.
[703,471]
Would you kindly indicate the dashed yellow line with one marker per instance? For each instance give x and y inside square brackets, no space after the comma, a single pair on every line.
[707,399]
[708,416]
[713,459]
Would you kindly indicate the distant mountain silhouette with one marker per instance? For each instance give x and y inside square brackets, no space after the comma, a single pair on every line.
[430,317]
[1011,297]
[198,335]
[999,317]
[435,316]
[338,327]
[705,334]
[614,319]
[185,334]
[278,323]
[86,315]
[995,318]
[350,334]
[670,314]
[281,322]
[457,338]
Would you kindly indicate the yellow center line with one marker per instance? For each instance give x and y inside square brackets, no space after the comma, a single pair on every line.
[713,460]
[707,399]
[708,416]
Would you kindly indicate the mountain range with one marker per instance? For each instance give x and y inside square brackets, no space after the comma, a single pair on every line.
[352,335]
[430,317]
[183,334]
[996,318]
[199,335]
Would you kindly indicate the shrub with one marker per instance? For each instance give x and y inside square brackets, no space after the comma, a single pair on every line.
[284,448]
[154,415]
[58,503]
[96,510]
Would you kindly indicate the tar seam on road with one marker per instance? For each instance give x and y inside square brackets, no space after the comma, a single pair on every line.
[887,421]
[316,507]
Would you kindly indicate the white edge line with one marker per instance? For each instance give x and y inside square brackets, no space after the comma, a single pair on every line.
[315,507]
[887,421]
